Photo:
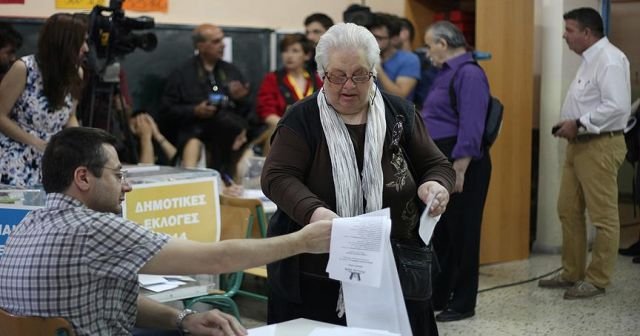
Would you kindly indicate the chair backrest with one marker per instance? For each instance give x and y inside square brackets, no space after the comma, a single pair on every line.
[236,222]
[12,325]
[255,206]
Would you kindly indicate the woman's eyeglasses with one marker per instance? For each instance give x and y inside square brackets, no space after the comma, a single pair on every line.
[341,79]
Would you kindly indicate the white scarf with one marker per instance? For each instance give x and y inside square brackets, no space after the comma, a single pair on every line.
[346,178]
[349,187]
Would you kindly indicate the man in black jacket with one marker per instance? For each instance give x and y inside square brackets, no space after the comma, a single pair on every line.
[202,87]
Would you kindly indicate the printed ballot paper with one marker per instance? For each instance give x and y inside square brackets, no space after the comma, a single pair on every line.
[367,305]
[361,258]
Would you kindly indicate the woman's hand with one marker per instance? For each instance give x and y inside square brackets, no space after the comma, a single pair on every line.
[432,190]
[234,190]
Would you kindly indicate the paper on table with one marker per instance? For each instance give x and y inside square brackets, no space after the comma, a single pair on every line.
[179,277]
[357,249]
[268,330]
[148,279]
[161,287]
[340,331]
[427,224]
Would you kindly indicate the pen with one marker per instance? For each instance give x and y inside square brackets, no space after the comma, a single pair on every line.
[228,181]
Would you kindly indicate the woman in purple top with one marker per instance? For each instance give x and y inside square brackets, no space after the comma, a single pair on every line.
[458,133]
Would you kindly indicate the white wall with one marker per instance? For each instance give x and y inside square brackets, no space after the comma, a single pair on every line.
[275,14]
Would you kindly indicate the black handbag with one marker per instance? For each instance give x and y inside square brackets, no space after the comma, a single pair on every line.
[414,263]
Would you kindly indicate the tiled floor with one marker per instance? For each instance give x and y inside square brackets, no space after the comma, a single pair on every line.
[528,310]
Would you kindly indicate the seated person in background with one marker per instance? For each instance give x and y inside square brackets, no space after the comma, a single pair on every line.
[315,25]
[146,130]
[38,97]
[222,145]
[84,259]
[399,70]
[201,87]
[10,42]
[287,85]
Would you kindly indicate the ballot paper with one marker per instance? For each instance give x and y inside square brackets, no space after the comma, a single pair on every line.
[357,249]
[427,224]
[381,307]
[337,331]
[161,283]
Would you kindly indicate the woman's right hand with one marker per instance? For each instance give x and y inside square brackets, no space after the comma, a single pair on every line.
[234,190]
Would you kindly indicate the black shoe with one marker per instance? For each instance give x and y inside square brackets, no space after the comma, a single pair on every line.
[633,250]
[636,260]
[449,315]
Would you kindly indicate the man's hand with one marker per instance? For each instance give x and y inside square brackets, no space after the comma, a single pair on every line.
[213,323]
[434,190]
[238,90]
[204,110]
[567,129]
[316,236]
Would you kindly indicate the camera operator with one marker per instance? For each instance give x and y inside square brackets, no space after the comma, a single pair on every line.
[201,88]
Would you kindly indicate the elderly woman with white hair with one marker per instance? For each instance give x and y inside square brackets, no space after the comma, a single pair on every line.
[347,150]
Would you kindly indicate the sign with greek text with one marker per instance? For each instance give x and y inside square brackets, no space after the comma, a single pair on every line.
[183,209]
[147,5]
[10,216]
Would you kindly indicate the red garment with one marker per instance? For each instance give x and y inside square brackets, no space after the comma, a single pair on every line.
[271,101]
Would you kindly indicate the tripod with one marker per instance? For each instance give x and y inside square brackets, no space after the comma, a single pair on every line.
[97,110]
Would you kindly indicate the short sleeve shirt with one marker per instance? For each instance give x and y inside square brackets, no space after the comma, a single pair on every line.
[69,261]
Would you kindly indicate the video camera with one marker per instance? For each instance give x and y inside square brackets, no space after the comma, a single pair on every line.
[110,32]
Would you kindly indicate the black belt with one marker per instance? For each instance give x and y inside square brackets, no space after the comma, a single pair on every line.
[585,137]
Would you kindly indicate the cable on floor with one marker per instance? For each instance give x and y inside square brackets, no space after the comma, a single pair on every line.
[520,282]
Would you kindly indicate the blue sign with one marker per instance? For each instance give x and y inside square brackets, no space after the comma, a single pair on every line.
[9,218]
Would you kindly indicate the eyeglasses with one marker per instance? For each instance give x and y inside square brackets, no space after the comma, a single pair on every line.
[119,173]
[341,79]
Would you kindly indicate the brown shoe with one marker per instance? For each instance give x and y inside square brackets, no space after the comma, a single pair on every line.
[583,290]
[555,282]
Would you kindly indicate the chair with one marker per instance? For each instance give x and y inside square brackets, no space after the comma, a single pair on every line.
[12,325]
[236,223]
[257,211]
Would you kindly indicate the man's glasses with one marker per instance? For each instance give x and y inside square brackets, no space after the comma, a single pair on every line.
[341,79]
[119,173]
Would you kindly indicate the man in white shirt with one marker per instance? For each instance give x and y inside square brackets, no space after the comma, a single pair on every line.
[594,113]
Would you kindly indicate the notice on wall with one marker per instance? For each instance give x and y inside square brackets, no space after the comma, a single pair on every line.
[79,4]
[186,209]
[147,5]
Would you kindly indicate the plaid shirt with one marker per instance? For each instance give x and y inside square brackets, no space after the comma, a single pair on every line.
[69,261]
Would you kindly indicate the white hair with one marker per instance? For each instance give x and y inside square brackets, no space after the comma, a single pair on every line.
[347,36]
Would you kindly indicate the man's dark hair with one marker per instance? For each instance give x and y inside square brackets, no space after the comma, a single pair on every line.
[405,23]
[9,36]
[587,18]
[320,18]
[358,14]
[391,22]
[69,149]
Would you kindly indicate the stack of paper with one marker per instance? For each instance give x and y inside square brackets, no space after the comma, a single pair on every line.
[161,283]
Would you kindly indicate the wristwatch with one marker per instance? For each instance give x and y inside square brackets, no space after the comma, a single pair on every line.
[183,314]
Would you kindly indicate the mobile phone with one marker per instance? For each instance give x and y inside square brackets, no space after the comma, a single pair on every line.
[554,129]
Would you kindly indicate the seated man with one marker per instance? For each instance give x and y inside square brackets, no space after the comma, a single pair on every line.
[78,260]
[10,42]
[399,70]
[202,87]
